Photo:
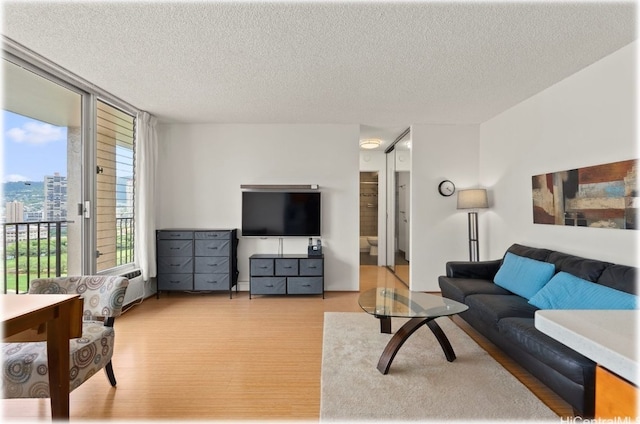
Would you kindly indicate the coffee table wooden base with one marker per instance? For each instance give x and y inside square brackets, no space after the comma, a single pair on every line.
[404,333]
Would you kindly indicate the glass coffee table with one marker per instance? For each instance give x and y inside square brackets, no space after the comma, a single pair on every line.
[421,309]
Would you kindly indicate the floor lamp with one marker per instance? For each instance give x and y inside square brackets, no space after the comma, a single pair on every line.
[473,199]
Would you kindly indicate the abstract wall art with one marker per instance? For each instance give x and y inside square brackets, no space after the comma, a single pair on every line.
[603,196]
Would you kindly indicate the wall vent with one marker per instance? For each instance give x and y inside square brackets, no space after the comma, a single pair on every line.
[135,290]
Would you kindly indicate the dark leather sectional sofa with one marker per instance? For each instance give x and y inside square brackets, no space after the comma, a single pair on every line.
[508,319]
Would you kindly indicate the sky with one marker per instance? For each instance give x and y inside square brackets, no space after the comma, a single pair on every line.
[31,149]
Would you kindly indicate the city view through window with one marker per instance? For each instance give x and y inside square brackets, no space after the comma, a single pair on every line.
[34,205]
[41,197]
[34,170]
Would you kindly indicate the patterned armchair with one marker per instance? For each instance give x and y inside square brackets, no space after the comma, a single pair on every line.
[25,367]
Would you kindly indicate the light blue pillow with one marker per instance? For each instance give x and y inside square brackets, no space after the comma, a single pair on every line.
[566,291]
[523,276]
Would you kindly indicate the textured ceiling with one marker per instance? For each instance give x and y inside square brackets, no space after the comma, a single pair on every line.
[381,64]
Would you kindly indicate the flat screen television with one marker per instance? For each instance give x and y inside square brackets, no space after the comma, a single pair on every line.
[281,214]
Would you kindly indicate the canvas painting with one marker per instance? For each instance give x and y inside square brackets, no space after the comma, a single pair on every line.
[603,196]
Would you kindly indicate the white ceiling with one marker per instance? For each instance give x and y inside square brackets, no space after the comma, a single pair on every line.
[384,65]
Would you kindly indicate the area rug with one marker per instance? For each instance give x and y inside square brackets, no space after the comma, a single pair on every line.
[421,384]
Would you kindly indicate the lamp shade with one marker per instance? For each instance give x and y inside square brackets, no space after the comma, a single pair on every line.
[473,199]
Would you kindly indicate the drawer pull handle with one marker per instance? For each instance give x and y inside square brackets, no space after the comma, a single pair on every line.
[213,264]
[174,281]
[174,248]
[213,248]
[212,282]
[264,267]
[306,285]
[288,267]
[175,264]
[269,285]
[312,266]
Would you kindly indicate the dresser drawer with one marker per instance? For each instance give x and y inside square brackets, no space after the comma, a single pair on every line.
[268,285]
[175,248]
[175,265]
[262,267]
[211,282]
[212,247]
[304,285]
[212,235]
[175,282]
[286,267]
[212,264]
[311,266]
[175,235]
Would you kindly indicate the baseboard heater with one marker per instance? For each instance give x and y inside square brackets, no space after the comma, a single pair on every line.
[135,290]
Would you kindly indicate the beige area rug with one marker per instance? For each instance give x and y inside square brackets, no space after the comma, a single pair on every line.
[421,384]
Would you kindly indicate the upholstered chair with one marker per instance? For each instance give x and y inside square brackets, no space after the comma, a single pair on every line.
[25,368]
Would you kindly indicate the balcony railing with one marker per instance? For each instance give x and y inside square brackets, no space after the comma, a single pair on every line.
[39,250]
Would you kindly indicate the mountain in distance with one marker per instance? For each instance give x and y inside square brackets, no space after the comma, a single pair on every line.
[31,193]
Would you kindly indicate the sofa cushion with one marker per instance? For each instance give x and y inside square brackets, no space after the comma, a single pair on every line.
[523,276]
[522,332]
[529,252]
[566,291]
[494,307]
[459,288]
[587,269]
[620,277]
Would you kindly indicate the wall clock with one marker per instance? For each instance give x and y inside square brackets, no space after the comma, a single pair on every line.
[446,188]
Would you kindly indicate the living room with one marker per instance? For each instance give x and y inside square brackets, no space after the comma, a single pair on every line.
[562,100]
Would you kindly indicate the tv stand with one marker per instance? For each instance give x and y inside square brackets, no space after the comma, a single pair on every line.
[286,274]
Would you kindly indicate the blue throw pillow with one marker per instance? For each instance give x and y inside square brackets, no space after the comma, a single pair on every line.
[523,276]
[566,291]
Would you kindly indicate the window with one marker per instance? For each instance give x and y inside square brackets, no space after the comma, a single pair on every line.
[67,203]
[115,197]
[42,173]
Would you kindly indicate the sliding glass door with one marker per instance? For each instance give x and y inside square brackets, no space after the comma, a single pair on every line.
[42,180]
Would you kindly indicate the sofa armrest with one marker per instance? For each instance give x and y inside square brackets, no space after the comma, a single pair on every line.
[485,270]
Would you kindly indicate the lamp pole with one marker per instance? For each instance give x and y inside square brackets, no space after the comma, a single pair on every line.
[474,245]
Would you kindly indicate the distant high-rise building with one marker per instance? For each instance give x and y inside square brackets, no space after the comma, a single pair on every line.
[55,198]
[15,211]
[33,216]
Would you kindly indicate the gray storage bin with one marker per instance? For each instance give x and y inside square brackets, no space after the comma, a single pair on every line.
[304,285]
[268,285]
[175,248]
[211,264]
[262,267]
[212,247]
[175,282]
[213,282]
[286,267]
[175,264]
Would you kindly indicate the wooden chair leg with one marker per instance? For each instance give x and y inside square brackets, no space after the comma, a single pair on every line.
[109,370]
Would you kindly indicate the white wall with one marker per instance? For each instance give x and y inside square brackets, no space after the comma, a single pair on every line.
[586,119]
[438,229]
[201,168]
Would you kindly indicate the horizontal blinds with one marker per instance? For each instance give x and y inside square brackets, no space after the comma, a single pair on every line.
[115,194]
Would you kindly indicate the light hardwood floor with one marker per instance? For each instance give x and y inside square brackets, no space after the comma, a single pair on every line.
[202,356]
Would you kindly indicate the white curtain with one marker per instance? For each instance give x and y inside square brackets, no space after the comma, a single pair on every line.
[145,194]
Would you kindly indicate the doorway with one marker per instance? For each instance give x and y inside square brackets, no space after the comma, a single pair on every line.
[369,218]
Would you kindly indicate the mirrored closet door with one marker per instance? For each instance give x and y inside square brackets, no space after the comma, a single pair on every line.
[398,205]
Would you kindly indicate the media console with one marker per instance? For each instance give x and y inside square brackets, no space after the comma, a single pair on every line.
[286,274]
